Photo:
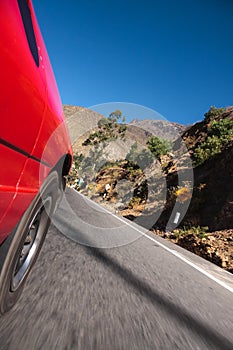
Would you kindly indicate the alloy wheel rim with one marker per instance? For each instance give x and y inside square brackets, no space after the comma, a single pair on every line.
[31,244]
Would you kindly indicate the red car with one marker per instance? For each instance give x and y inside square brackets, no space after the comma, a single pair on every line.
[35,149]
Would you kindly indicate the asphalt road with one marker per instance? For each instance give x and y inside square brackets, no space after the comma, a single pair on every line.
[138,293]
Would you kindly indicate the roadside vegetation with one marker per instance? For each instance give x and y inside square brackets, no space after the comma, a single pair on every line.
[207,228]
[109,129]
[219,134]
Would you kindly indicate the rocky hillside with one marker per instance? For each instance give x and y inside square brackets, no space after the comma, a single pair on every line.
[210,144]
[121,175]
[83,121]
[160,128]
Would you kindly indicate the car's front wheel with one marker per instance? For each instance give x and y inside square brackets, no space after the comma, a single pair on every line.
[23,245]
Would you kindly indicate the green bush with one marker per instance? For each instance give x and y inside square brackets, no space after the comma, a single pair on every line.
[158,147]
[199,231]
[207,149]
[219,134]
[77,160]
[134,202]
[108,129]
[213,113]
[222,129]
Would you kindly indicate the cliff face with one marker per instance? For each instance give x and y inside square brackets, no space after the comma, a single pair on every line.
[212,200]
[160,128]
[212,203]
[213,178]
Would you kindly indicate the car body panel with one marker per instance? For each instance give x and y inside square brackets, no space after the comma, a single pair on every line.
[33,135]
[8,182]
[13,214]
[21,80]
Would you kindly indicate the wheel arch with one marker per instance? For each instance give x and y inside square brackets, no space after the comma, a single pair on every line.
[62,168]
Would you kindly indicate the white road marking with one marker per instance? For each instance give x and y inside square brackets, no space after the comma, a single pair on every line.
[176,218]
[172,251]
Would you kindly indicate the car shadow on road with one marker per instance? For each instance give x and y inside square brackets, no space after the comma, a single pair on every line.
[214,339]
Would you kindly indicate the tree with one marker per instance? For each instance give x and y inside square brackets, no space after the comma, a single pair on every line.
[108,129]
[116,115]
[158,147]
[104,123]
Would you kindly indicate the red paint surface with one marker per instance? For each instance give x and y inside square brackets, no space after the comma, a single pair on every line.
[31,117]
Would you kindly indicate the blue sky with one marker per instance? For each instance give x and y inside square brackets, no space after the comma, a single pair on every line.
[175,57]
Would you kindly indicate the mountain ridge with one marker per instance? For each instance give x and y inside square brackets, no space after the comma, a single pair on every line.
[209,144]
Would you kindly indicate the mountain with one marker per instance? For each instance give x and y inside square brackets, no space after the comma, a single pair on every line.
[209,144]
[83,121]
[161,128]
[138,189]
[140,130]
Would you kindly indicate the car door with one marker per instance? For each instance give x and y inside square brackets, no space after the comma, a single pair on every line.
[22,96]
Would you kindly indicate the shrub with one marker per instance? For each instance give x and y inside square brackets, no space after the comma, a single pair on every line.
[108,129]
[207,149]
[199,231]
[134,202]
[213,113]
[219,134]
[77,160]
[158,147]
[222,129]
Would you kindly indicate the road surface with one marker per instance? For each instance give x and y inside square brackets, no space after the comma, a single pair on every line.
[140,292]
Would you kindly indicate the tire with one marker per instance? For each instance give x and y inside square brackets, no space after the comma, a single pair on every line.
[22,247]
